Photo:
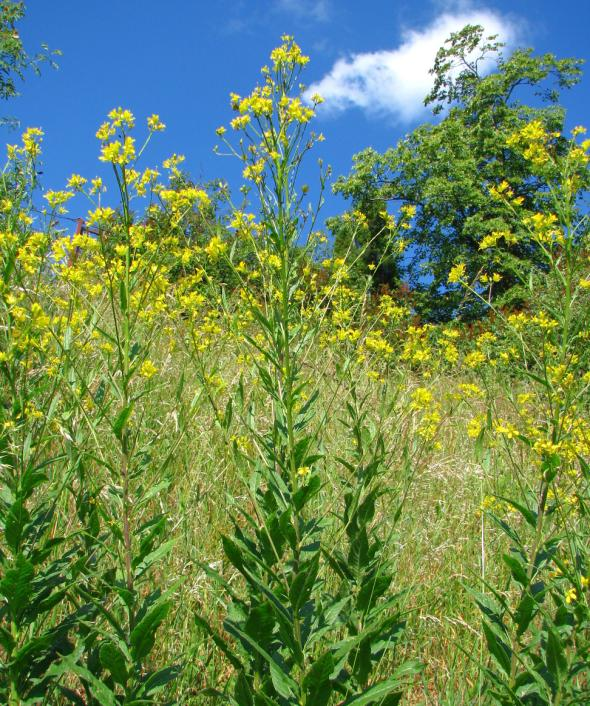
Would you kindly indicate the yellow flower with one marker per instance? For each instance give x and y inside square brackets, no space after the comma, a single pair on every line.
[287,54]
[474,359]
[97,186]
[173,161]
[57,198]
[421,398]
[122,118]
[474,427]
[457,273]
[119,153]
[105,132]
[571,596]
[76,182]
[240,122]
[506,429]
[100,214]
[32,140]
[155,124]
[254,171]
[148,369]
[215,247]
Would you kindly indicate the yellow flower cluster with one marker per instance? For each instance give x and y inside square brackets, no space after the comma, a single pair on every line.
[288,54]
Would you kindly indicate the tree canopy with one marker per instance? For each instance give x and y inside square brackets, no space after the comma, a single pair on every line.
[14,59]
[446,169]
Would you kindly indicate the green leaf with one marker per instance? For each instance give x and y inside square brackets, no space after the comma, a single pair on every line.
[153,557]
[304,582]
[121,421]
[282,682]
[304,494]
[360,661]
[158,680]
[372,590]
[529,515]
[375,694]
[232,552]
[517,569]
[31,479]
[142,636]
[525,612]
[260,623]
[242,691]
[498,648]
[100,691]
[317,683]
[331,615]
[556,657]
[114,660]
[227,417]
[16,586]
[6,639]
[15,524]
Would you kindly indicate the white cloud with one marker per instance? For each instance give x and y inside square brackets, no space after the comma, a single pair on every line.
[396,81]
[318,10]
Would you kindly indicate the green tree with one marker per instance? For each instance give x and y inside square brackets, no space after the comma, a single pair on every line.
[446,169]
[14,59]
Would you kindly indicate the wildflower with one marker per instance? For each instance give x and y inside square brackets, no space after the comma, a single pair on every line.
[97,185]
[76,182]
[475,358]
[215,247]
[288,53]
[155,124]
[122,118]
[474,427]
[254,171]
[173,161]
[119,153]
[148,369]
[571,596]
[100,214]
[105,132]
[57,198]
[32,140]
[457,273]
[506,429]
[408,210]
[471,390]
[421,398]
[376,343]
[240,122]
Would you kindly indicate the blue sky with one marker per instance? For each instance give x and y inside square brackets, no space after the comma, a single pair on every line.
[182,58]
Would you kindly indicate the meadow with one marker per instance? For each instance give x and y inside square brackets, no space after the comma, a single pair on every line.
[234,473]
